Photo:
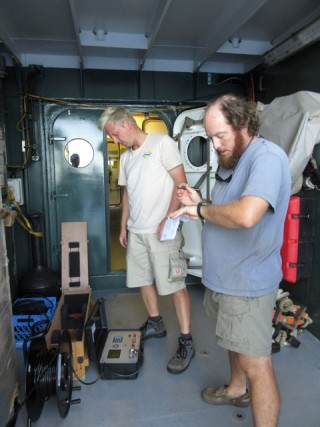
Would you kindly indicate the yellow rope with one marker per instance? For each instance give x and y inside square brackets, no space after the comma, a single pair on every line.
[21,219]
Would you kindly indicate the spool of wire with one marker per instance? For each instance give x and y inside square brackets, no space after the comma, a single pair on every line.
[48,373]
[45,374]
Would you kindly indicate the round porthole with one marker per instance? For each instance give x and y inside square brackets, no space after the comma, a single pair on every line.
[78,153]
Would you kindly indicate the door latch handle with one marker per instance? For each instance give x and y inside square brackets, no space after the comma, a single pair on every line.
[55,196]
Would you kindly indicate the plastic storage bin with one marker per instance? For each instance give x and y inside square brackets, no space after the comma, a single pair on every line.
[32,317]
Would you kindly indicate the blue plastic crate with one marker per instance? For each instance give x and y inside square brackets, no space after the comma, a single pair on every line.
[26,324]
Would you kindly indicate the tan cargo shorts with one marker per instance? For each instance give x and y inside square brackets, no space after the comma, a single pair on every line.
[151,261]
[243,324]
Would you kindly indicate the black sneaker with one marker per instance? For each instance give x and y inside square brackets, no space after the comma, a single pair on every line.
[152,329]
[182,357]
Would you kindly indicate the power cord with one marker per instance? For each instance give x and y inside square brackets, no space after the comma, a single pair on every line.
[29,306]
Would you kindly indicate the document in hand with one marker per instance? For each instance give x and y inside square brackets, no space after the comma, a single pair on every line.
[170,228]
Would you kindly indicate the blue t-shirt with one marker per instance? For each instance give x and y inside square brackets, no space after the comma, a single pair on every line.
[247,261]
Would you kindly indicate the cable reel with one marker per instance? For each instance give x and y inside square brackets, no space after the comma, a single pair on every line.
[49,372]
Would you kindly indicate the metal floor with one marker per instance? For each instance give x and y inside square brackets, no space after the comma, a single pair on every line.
[157,398]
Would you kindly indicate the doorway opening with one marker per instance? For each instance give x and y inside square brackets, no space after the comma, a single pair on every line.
[150,123]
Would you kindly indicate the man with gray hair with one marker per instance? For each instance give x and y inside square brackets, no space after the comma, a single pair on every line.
[150,171]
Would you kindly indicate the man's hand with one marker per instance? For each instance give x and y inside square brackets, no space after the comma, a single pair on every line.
[123,238]
[187,195]
[187,211]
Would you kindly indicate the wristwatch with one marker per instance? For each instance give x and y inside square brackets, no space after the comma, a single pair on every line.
[199,206]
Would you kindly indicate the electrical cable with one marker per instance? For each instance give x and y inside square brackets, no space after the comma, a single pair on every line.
[45,373]
[34,299]
[29,306]
[84,382]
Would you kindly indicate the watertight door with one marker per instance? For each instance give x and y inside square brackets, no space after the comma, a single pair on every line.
[80,177]
[200,163]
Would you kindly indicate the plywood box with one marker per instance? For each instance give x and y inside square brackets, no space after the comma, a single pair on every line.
[74,305]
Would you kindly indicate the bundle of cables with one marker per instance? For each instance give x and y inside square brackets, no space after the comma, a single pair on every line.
[30,306]
[31,316]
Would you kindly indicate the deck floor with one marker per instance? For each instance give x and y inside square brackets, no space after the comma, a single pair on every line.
[157,398]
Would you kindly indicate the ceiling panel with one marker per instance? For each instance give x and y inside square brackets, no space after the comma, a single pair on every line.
[229,36]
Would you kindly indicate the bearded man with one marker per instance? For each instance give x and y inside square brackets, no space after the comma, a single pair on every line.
[241,242]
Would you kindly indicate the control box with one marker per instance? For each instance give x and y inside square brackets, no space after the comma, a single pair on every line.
[15,185]
[121,355]
[121,347]
[118,352]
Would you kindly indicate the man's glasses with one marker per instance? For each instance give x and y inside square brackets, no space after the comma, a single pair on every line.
[220,179]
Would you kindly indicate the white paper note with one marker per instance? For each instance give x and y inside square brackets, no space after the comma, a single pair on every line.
[170,228]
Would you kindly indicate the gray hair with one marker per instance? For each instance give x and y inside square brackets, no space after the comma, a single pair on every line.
[116,115]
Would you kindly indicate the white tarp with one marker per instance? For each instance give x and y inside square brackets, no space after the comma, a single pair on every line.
[293,122]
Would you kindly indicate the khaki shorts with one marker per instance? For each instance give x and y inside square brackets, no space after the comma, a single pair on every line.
[148,262]
[243,325]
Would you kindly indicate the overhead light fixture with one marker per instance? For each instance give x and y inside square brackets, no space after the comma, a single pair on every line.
[100,35]
[296,42]
[235,42]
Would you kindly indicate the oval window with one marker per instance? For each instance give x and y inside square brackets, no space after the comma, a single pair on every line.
[197,151]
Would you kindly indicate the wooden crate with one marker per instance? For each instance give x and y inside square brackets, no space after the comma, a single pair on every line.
[75,302]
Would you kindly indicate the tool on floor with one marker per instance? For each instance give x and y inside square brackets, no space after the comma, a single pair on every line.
[288,321]
[118,352]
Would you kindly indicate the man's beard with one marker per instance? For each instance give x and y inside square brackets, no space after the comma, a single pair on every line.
[231,161]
